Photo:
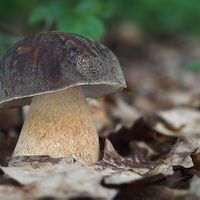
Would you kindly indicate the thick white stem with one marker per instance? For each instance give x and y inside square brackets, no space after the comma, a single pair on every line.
[59,124]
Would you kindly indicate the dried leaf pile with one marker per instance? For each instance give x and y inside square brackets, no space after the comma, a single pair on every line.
[149,133]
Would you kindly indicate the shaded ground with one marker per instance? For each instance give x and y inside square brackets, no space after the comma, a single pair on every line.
[136,120]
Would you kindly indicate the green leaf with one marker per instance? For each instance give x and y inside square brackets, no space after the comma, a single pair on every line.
[69,23]
[87,7]
[93,27]
[89,26]
[193,65]
[42,12]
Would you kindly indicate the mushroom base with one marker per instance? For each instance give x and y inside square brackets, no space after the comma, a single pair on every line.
[59,124]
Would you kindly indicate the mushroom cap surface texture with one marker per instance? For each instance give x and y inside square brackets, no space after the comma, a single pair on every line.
[53,61]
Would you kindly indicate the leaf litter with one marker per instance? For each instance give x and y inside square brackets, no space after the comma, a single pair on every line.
[152,130]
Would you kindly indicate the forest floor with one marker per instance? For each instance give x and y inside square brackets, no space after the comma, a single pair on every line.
[152,127]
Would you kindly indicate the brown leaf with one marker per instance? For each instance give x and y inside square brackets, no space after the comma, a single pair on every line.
[178,156]
[196,159]
[140,131]
[137,162]
[60,178]
[179,121]
[180,179]
[43,176]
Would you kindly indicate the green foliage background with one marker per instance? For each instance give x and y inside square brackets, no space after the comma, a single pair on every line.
[92,18]
[19,18]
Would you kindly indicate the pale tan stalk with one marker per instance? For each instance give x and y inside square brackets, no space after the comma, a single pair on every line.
[59,124]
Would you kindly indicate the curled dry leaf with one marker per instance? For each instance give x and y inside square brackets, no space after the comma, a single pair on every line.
[42,176]
[196,158]
[136,163]
[179,121]
[140,131]
[123,169]
[29,169]
[62,178]
[117,169]
[70,183]
[71,177]
[178,156]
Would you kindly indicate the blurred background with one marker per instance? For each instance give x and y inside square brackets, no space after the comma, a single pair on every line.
[157,43]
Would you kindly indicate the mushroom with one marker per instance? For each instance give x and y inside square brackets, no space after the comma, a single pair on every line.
[54,72]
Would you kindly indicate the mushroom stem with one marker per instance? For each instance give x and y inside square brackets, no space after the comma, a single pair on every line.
[59,124]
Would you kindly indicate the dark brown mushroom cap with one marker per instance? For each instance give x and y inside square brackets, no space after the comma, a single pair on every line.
[52,61]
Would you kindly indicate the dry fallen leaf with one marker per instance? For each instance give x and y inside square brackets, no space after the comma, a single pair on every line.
[73,182]
[140,131]
[178,156]
[45,176]
[42,176]
[123,169]
[196,158]
[179,121]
